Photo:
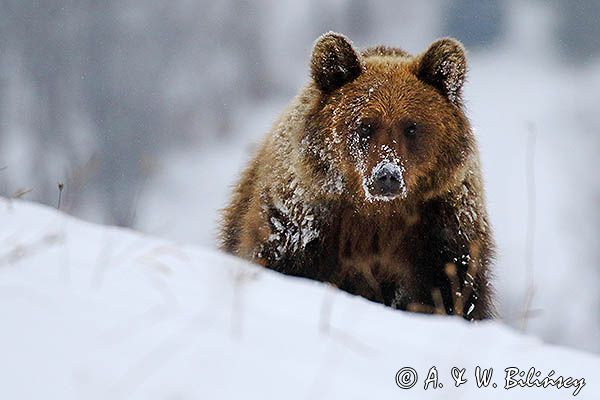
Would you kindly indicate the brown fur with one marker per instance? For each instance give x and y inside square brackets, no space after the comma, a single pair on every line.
[302,208]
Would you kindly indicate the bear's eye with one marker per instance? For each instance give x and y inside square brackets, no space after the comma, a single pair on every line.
[365,129]
[410,130]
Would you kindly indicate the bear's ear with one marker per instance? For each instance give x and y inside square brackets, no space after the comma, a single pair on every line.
[334,62]
[444,66]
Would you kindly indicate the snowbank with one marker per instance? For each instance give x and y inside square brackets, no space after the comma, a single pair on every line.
[92,312]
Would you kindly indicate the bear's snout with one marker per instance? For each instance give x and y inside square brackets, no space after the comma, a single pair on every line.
[387,180]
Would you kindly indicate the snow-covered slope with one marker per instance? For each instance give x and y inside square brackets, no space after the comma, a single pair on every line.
[91,312]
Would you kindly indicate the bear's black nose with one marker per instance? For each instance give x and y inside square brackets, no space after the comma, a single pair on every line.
[387,180]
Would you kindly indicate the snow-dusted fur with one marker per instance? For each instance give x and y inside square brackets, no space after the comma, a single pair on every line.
[304,206]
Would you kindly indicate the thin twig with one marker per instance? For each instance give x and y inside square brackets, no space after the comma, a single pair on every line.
[20,193]
[240,278]
[436,294]
[457,298]
[531,221]
[61,186]
[325,314]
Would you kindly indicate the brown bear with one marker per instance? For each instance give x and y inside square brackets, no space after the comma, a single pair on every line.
[370,180]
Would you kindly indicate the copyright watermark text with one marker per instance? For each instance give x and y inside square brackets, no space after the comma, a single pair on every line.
[511,378]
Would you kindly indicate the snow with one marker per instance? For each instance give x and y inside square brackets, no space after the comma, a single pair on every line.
[91,312]
[297,226]
[395,166]
[453,71]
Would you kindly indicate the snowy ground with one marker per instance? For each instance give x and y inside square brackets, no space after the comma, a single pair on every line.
[92,312]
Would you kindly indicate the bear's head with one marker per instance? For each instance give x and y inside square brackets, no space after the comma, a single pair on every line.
[388,126]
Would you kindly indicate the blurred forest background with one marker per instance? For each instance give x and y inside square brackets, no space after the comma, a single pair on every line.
[147,111]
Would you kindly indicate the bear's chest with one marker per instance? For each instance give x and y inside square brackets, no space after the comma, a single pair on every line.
[372,259]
